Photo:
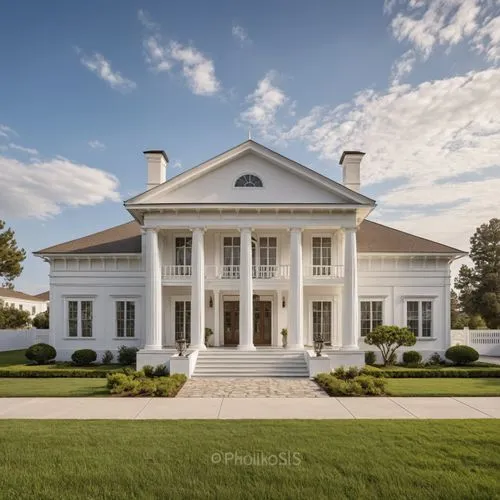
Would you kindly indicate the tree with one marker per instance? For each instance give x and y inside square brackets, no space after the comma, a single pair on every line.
[479,286]
[11,256]
[11,318]
[41,320]
[388,338]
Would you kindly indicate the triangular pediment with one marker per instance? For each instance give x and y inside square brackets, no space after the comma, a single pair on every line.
[283,181]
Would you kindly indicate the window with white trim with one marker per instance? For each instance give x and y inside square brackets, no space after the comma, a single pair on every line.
[183,252]
[125,318]
[322,320]
[370,315]
[419,317]
[80,317]
[231,256]
[183,320]
[321,256]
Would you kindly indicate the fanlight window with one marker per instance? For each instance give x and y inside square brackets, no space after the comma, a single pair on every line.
[248,180]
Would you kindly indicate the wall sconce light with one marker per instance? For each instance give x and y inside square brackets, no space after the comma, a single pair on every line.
[283,303]
[211,302]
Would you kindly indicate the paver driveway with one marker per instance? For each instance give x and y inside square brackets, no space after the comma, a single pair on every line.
[251,388]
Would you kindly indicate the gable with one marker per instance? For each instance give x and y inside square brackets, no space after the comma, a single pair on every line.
[285,182]
[279,186]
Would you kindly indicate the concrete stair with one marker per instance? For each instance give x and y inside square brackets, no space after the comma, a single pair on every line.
[260,363]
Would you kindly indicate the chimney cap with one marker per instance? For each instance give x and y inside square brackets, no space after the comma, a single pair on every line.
[348,153]
[158,152]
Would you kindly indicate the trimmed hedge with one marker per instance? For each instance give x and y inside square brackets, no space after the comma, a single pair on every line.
[40,353]
[412,357]
[70,372]
[360,385]
[83,357]
[433,372]
[462,354]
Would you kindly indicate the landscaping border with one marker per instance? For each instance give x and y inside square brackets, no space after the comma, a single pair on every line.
[432,372]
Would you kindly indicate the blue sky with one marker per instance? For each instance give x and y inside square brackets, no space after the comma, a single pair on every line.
[86,87]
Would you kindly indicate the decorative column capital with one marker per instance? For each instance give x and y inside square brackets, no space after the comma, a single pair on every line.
[296,229]
[350,229]
[198,229]
[146,230]
[245,229]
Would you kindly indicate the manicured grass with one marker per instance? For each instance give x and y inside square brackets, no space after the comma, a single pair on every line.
[173,459]
[14,364]
[443,386]
[52,387]
[12,357]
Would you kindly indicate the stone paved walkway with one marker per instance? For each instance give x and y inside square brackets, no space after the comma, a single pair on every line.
[251,388]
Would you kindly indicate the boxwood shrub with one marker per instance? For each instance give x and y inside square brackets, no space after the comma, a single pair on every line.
[360,385]
[462,354]
[139,385]
[433,372]
[412,357]
[83,357]
[41,353]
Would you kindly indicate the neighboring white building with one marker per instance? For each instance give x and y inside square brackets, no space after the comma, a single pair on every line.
[23,301]
[247,243]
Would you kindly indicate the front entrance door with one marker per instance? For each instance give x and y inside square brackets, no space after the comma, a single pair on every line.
[231,322]
[262,323]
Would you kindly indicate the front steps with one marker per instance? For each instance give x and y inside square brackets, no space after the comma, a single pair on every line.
[260,363]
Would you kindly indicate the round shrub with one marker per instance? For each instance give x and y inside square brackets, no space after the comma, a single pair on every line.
[462,354]
[412,358]
[83,357]
[127,355]
[41,353]
[370,358]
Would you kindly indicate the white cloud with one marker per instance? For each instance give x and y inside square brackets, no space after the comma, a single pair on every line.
[145,19]
[95,144]
[265,102]
[102,68]
[31,151]
[241,35]
[198,70]
[41,189]
[176,164]
[427,24]
[156,55]
[6,131]
[422,139]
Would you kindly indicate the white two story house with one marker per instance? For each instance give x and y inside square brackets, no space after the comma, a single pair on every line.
[247,244]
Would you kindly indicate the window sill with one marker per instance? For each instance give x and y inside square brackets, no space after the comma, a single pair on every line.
[79,338]
[426,338]
[125,338]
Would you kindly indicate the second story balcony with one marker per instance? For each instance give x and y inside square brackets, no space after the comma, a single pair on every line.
[183,273]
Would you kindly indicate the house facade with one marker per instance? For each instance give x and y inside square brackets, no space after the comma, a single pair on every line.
[34,304]
[247,244]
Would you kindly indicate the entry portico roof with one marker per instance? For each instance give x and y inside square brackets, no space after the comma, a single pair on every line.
[372,237]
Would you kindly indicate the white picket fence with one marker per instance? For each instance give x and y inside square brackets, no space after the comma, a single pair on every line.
[485,342]
[11,340]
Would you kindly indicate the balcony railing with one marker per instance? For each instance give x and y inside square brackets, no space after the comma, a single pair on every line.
[324,272]
[277,272]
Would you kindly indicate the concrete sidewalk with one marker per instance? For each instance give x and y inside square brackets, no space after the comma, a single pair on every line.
[249,408]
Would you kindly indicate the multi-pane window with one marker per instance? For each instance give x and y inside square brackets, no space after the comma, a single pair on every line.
[267,256]
[322,320]
[419,317]
[125,318]
[20,307]
[370,315]
[231,257]
[322,256]
[183,253]
[80,318]
[248,180]
[183,320]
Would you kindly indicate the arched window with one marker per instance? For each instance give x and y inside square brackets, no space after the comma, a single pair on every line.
[248,180]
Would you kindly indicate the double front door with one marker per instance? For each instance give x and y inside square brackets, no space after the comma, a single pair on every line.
[262,323]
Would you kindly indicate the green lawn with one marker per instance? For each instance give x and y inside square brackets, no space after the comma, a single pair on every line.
[55,387]
[443,386]
[12,357]
[333,459]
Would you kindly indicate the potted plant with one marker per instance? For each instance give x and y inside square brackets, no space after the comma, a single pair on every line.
[284,336]
[208,336]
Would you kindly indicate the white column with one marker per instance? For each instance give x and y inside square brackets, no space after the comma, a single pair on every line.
[198,291]
[153,290]
[296,292]
[350,306]
[246,291]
